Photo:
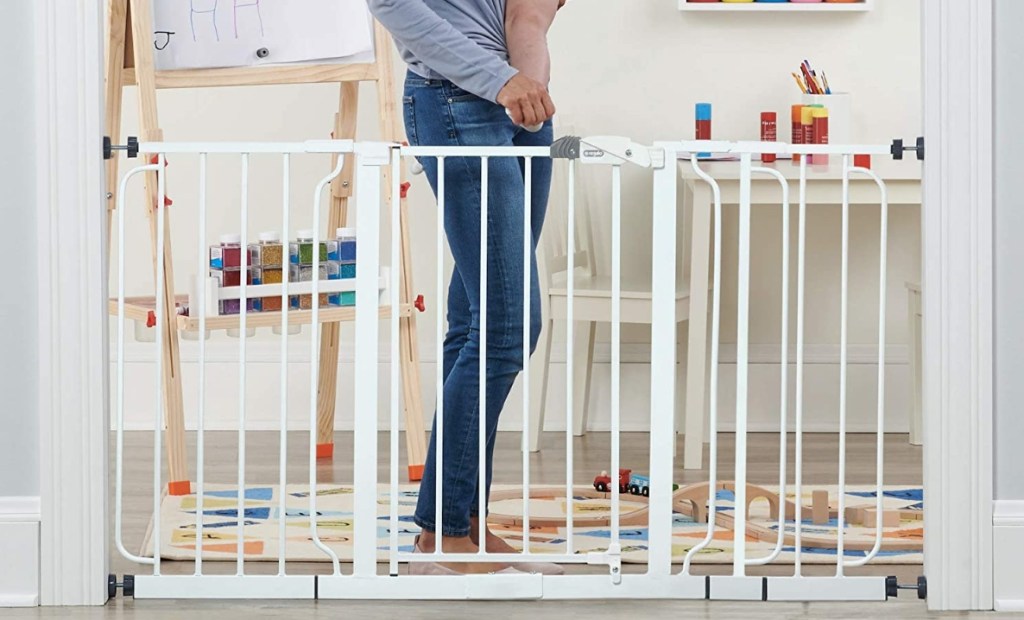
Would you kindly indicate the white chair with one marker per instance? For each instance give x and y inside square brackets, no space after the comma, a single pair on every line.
[914,329]
[592,306]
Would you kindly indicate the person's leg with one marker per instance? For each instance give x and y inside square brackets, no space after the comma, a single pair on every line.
[459,322]
[539,194]
[470,121]
[426,123]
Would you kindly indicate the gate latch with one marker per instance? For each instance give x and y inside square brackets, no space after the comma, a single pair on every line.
[612,558]
[611,150]
[132,147]
[898,149]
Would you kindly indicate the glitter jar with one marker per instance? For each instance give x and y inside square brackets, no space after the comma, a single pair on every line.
[233,277]
[304,273]
[228,253]
[268,252]
[300,251]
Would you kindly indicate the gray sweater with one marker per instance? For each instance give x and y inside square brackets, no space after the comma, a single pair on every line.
[458,40]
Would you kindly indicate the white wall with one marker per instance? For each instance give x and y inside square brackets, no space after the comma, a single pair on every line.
[19,439]
[1008,509]
[631,68]
[19,412]
[1009,255]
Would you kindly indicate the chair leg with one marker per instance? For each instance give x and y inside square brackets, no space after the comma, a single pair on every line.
[696,374]
[914,326]
[539,365]
[681,374]
[693,455]
[583,356]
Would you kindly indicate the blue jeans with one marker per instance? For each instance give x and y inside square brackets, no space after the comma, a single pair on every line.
[438,113]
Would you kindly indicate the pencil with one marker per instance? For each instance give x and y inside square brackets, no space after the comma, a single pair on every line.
[799,83]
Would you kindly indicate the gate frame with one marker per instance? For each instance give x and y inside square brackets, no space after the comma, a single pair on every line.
[73,552]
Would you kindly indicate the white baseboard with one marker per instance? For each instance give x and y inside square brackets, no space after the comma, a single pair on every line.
[821,395]
[19,539]
[1008,548]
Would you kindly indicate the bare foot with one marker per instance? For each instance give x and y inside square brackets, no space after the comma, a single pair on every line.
[459,544]
[495,544]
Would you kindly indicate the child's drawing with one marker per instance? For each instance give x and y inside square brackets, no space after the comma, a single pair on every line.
[249,5]
[204,8]
[264,31]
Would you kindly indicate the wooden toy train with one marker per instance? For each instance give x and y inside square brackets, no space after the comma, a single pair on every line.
[631,483]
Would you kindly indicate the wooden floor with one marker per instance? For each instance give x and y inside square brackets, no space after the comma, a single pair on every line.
[537,610]
[591,455]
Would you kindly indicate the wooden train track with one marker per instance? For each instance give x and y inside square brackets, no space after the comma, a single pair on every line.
[692,500]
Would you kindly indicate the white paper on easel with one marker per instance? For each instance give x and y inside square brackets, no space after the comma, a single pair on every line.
[197,34]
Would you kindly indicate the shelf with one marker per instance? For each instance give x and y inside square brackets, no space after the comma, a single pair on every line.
[781,7]
[138,309]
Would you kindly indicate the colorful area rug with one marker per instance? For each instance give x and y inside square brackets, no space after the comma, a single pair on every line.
[334,522]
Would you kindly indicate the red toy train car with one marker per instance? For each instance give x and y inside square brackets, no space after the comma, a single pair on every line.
[603,482]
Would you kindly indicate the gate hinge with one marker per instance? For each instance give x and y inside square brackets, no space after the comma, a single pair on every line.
[898,149]
[132,147]
[611,558]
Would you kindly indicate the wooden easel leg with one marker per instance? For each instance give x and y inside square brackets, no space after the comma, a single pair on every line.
[341,190]
[415,435]
[174,413]
[117,24]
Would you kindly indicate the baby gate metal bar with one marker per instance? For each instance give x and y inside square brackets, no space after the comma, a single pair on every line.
[613,152]
[204,299]
[741,586]
[660,580]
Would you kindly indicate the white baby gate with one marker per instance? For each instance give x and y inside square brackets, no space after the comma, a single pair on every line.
[366,580]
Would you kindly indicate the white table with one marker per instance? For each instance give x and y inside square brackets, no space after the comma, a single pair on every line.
[824,187]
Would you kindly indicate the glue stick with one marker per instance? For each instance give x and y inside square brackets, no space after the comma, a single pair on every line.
[798,128]
[769,133]
[807,122]
[703,125]
[820,116]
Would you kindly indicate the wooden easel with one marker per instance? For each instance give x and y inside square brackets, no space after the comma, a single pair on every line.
[130,61]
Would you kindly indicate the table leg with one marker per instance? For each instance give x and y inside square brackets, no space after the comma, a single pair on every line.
[914,325]
[693,450]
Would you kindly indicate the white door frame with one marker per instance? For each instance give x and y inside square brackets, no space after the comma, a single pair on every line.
[957,282]
[958,300]
[73,363]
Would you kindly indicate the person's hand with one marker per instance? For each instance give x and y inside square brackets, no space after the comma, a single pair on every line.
[527,101]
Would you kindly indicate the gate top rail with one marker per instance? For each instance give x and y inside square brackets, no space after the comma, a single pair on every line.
[779,148]
[238,148]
